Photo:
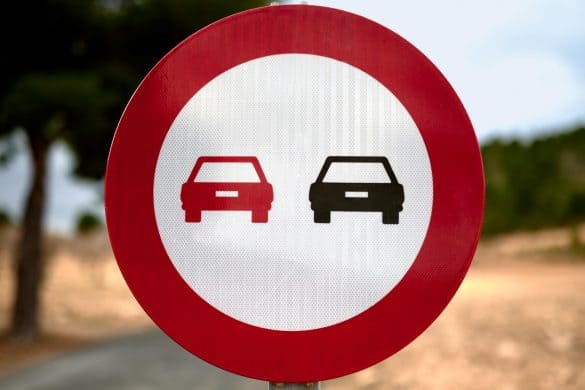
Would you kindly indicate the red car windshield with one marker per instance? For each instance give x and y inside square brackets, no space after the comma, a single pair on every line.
[227,172]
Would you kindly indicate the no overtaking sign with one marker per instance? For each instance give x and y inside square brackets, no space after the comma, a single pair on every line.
[294,193]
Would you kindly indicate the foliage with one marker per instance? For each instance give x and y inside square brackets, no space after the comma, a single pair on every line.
[4,219]
[88,222]
[535,184]
[69,71]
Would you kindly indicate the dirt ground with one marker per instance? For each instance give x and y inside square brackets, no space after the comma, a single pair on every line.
[517,322]
[85,300]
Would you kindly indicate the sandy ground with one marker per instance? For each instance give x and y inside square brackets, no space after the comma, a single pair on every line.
[518,321]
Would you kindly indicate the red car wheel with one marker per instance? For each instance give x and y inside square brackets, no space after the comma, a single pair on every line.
[193,216]
[259,216]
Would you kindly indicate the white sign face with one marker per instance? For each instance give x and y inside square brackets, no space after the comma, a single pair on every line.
[292,268]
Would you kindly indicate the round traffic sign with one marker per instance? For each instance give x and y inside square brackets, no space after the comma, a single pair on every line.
[294,193]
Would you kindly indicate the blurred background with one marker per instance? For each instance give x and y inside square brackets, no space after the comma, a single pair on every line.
[68,68]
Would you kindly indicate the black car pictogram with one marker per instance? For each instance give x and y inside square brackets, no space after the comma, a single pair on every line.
[386,197]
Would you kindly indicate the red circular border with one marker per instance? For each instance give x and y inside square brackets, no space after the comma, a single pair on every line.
[392,323]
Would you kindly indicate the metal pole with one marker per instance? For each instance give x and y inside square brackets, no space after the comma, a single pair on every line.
[294,386]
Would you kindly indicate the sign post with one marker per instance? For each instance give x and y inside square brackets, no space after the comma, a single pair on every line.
[295,179]
[295,386]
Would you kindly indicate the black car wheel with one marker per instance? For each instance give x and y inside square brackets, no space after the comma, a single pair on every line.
[390,217]
[322,216]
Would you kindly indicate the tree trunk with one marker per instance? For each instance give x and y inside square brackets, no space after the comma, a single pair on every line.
[29,262]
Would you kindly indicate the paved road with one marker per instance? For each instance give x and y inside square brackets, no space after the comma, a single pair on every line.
[141,362]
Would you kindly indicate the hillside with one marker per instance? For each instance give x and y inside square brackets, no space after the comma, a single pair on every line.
[535,184]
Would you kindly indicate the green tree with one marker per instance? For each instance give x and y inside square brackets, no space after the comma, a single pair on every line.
[535,184]
[88,222]
[4,219]
[66,70]
[50,90]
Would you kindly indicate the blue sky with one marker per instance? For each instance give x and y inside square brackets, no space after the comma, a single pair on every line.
[518,67]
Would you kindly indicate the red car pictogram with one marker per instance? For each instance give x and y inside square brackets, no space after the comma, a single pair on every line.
[199,194]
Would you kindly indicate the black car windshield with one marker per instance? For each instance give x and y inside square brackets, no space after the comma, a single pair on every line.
[227,172]
[356,172]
